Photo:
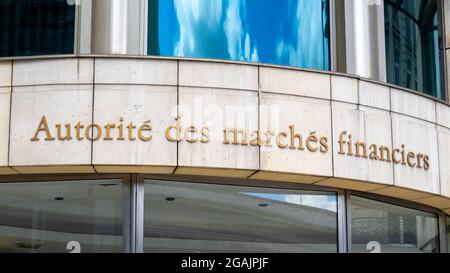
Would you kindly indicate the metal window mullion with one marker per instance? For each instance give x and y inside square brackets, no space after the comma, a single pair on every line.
[76,35]
[84,33]
[342,222]
[348,221]
[144,27]
[443,233]
[126,225]
[333,33]
[443,52]
[133,214]
[138,214]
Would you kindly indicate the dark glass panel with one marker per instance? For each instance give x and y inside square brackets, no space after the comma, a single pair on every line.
[36,27]
[413,45]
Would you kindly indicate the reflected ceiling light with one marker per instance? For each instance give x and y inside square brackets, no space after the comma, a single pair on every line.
[108,185]
[28,245]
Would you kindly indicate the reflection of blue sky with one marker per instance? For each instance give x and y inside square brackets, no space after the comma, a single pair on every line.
[326,202]
[286,32]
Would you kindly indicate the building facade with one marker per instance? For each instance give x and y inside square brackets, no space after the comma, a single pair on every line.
[224,126]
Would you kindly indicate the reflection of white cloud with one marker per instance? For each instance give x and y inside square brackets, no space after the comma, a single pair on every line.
[191,15]
[247,46]
[250,56]
[286,52]
[233,29]
[325,202]
[303,47]
[203,25]
[310,33]
[238,37]
[315,201]
[255,57]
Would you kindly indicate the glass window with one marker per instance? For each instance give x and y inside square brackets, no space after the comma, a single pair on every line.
[381,227]
[284,32]
[43,217]
[184,217]
[36,27]
[413,45]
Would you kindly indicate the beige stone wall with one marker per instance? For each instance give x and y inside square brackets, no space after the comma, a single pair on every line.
[219,95]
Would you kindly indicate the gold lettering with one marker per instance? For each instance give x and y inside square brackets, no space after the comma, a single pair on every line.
[68,134]
[283,139]
[294,136]
[324,145]
[236,133]
[408,159]
[120,127]
[43,127]
[419,158]
[244,137]
[269,135]
[350,145]
[256,141]
[90,129]
[373,152]
[205,135]
[78,128]
[188,132]
[146,126]
[108,128]
[426,163]
[312,139]
[342,143]
[403,155]
[394,158]
[385,151]
[278,140]
[360,145]
[176,127]
[130,128]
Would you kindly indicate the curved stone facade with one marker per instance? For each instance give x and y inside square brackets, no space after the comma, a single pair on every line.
[100,114]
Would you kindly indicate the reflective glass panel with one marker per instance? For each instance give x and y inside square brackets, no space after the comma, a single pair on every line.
[36,27]
[184,217]
[384,228]
[284,32]
[412,45]
[75,216]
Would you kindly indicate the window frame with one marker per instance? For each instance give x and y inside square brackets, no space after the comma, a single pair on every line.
[133,201]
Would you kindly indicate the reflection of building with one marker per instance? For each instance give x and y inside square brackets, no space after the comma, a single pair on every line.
[393,229]
[411,42]
[138,95]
